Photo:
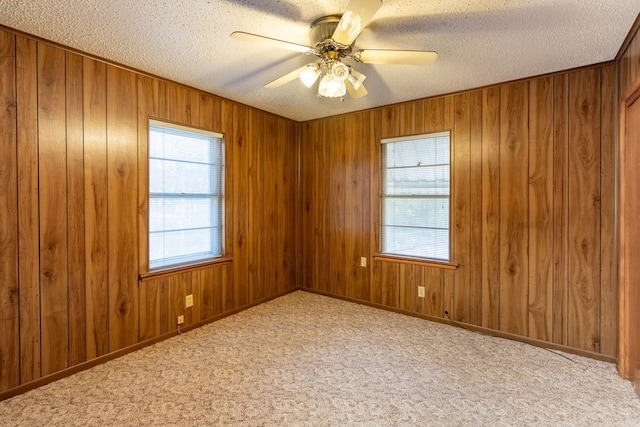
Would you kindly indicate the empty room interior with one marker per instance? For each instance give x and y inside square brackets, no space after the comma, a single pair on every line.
[166,167]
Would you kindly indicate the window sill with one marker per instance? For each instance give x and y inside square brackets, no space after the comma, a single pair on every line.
[415,261]
[156,274]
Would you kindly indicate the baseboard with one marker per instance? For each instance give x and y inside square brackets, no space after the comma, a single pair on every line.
[23,388]
[487,331]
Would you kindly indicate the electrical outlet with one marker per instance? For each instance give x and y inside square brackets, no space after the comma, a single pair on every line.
[180,320]
[363,261]
[421,291]
[189,301]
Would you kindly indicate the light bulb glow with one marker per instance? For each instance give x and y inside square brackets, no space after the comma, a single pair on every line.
[310,75]
[331,88]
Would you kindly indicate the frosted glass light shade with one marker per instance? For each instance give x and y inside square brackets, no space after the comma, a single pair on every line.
[310,75]
[331,87]
[356,79]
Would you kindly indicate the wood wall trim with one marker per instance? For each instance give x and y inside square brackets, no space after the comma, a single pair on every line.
[415,261]
[630,95]
[486,331]
[143,277]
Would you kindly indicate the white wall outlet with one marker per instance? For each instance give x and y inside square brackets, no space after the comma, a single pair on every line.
[363,261]
[189,301]
[421,291]
[180,320]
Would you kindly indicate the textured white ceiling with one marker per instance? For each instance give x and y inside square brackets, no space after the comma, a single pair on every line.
[479,42]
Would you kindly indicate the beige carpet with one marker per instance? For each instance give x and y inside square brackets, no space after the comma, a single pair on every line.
[305,359]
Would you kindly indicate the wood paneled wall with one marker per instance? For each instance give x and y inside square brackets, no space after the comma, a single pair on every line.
[533,208]
[73,197]
[629,63]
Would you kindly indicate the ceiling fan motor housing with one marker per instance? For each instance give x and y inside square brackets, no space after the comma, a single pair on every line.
[320,36]
[323,28]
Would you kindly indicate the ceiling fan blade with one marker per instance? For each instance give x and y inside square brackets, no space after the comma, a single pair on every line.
[358,14]
[287,77]
[403,57]
[356,93]
[239,35]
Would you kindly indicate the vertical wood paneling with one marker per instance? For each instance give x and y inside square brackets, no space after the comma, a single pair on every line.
[375,127]
[449,124]
[227,118]
[195,111]
[308,208]
[390,122]
[560,208]
[432,280]
[511,217]
[95,196]
[321,202]
[122,167]
[362,137]
[240,192]
[163,100]
[434,115]
[73,234]
[53,209]
[475,211]
[491,208]
[407,119]
[584,197]
[629,64]
[287,217]
[28,210]
[357,216]
[9,297]
[257,189]
[270,220]
[75,186]
[167,315]
[179,104]
[408,287]
[150,309]
[75,209]
[541,208]
[461,206]
[351,257]
[205,295]
[390,277]
[337,231]
[608,250]
[219,281]
[513,208]
[147,107]
[206,112]
[179,284]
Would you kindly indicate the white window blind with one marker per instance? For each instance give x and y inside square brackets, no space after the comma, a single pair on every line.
[415,196]
[186,181]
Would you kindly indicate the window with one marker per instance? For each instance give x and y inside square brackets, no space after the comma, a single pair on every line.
[186,179]
[415,196]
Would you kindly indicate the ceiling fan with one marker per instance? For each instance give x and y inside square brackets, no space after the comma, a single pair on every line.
[332,38]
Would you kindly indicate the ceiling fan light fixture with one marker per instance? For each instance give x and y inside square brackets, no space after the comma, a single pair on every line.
[356,78]
[331,87]
[339,71]
[310,75]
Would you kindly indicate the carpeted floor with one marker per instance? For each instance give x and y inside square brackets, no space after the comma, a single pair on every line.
[305,359]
